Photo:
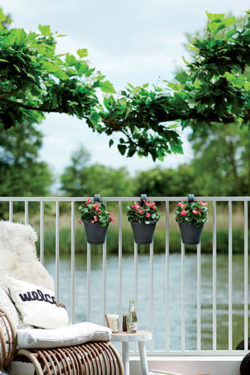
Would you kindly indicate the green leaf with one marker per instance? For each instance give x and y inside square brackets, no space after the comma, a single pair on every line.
[83,52]
[111,142]
[107,87]
[93,120]
[82,67]
[214,27]
[131,151]
[173,126]
[215,16]
[45,30]
[175,86]
[122,149]
[176,147]
[230,33]
[229,21]
[70,60]
[182,77]
[19,36]
[185,61]
[2,16]
[50,67]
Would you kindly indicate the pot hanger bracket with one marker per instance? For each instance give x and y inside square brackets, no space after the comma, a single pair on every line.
[143,197]
[97,198]
[190,198]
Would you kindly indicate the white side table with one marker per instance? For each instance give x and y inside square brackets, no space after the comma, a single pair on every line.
[125,338]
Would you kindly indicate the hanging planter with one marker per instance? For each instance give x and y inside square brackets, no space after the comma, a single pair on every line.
[143,217]
[96,234]
[191,217]
[96,218]
[143,233]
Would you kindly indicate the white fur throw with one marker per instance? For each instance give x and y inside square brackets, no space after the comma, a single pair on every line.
[18,255]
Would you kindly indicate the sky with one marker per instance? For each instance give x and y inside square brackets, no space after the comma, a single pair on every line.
[130,41]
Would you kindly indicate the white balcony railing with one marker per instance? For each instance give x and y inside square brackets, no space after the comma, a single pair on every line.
[165,324]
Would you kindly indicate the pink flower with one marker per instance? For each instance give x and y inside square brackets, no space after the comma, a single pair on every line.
[183,213]
[79,222]
[96,207]
[151,205]
[89,200]
[95,218]
[112,218]
[148,214]
[140,211]
[99,212]
[92,221]
[137,205]
[203,203]
[145,203]
[182,205]
[195,212]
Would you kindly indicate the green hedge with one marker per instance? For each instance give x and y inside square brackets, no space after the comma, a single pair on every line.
[127,241]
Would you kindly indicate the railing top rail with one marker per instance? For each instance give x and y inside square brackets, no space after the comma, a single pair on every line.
[121,199]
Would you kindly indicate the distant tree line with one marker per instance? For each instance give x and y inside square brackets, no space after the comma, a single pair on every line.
[220,167]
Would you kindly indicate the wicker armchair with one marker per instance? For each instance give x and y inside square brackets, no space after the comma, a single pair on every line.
[91,358]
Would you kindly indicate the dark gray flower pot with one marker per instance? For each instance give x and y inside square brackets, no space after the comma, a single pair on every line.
[190,234]
[96,234]
[143,233]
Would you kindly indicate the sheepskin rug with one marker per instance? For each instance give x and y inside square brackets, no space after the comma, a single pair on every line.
[18,255]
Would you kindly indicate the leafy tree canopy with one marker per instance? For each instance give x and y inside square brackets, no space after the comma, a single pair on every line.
[213,88]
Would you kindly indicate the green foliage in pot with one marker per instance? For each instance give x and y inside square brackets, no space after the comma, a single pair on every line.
[145,212]
[95,212]
[192,212]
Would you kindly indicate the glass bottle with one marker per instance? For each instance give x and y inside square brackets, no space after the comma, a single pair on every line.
[131,318]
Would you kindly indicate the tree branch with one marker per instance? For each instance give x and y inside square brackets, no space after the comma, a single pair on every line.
[10,93]
[30,107]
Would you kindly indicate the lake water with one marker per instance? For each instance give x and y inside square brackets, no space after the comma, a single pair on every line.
[159,311]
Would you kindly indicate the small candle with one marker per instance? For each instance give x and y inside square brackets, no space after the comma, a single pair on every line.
[114,322]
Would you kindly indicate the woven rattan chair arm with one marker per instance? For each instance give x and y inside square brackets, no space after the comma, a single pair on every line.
[7,340]
[90,358]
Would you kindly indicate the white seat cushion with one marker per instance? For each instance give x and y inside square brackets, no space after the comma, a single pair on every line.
[66,336]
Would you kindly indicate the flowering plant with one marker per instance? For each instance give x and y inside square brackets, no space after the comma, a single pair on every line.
[192,212]
[144,213]
[95,212]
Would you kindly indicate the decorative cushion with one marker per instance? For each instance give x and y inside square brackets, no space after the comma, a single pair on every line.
[37,305]
[7,305]
[66,336]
